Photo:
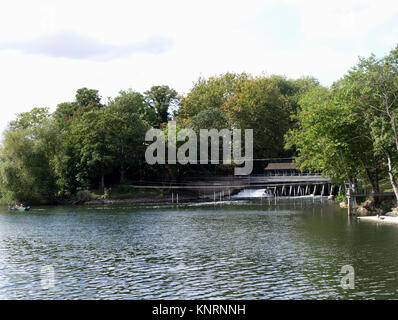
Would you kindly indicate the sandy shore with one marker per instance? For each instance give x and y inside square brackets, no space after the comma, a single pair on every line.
[379,219]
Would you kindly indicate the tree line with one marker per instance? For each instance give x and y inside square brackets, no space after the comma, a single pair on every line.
[347,131]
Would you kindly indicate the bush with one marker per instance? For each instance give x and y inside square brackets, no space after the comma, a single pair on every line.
[107,193]
[386,208]
[341,196]
[83,195]
[124,188]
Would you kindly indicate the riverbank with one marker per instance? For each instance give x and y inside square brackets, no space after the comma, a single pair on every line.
[141,200]
[385,219]
[128,195]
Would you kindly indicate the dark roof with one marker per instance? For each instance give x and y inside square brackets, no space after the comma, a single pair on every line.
[281,166]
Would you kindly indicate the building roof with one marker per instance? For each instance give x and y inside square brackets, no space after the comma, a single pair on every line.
[281,166]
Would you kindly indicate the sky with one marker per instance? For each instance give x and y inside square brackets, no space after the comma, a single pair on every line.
[49,49]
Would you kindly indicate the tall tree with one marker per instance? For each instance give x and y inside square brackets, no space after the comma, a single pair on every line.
[29,145]
[372,87]
[159,99]
[129,109]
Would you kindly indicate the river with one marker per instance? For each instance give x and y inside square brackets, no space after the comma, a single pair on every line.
[247,249]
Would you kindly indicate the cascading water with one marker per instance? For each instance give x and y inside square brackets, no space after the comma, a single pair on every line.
[252,193]
[266,193]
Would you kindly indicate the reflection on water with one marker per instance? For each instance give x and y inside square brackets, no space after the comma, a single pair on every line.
[238,250]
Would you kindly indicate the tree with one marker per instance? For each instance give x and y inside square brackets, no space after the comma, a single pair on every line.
[129,109]
[330,138]
[159,99]
[259,105]
[94,134]
[372,87]
[88,97]
[30,119]
[210,93]
[25,158]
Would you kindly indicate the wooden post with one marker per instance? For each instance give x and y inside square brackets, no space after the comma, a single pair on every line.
[172,197]
[349,200]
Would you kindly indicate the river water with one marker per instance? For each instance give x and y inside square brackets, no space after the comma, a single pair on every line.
[258,249]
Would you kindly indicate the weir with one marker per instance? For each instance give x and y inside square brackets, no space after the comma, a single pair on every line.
[287,190]
[282,180]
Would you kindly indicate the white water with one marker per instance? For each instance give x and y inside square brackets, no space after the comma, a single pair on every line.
[251,193]
[259,193]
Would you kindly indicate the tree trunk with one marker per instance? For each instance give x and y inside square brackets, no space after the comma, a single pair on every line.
[394,127]
[391,176]
[102,185]
[374,183]
[122,172]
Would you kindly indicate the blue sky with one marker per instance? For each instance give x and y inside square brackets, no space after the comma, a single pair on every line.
[49,49]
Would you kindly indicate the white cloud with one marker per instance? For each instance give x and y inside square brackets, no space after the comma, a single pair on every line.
[67,44]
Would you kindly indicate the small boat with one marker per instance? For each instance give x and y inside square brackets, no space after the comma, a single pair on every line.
[19,209]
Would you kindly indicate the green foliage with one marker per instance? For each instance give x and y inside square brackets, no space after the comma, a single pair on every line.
[341,197]
[29,120]
[88,97]
[209,118]
[348,131]
[210,93]
[242,101]
[386,208]
[25,159]
[159,100]
[259,105]
[83,195]
[107,193]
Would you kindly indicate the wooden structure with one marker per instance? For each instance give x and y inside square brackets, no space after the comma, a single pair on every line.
[281,169]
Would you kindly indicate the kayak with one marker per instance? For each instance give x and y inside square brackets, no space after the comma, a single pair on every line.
[19,209]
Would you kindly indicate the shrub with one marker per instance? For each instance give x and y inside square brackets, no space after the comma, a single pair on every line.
[341,196]
[107,193]
[124,188]
[83,195]
[386,208]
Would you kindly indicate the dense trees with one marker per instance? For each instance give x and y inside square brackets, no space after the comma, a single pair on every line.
[348,131]
[241,101]
[159,100]
[88,144]
[26,153]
